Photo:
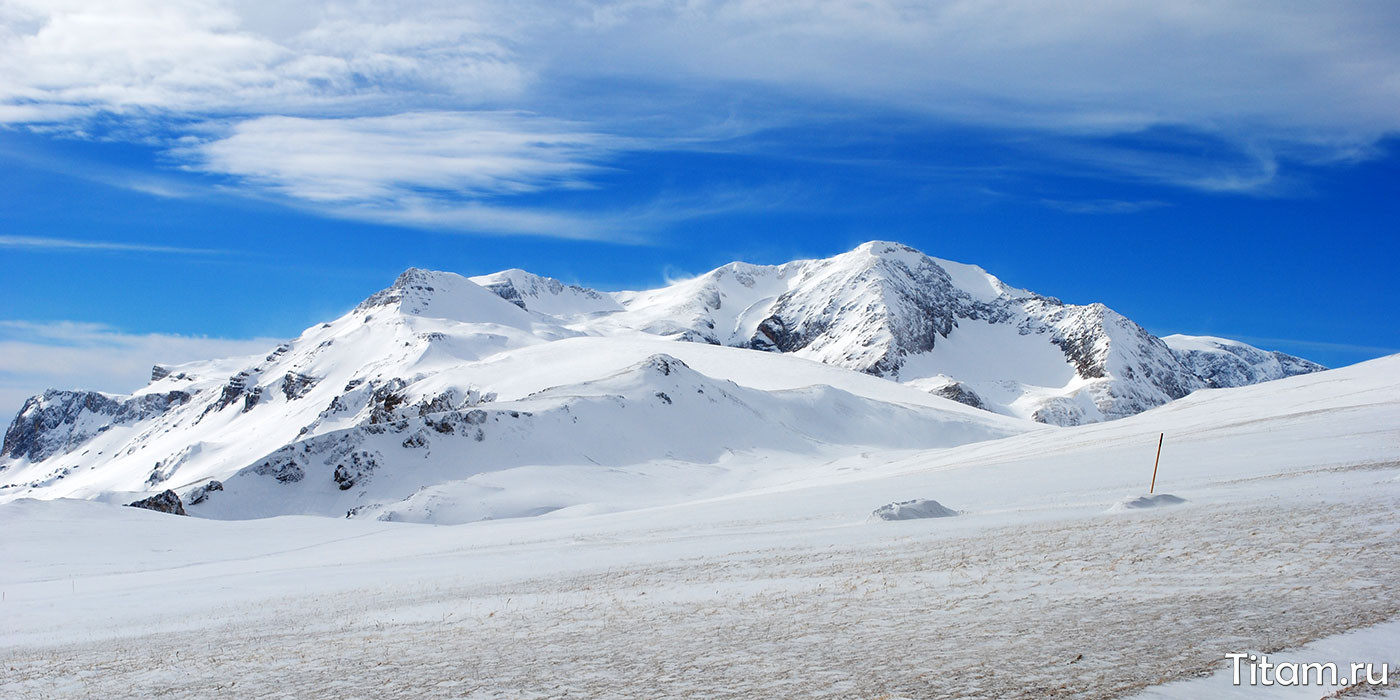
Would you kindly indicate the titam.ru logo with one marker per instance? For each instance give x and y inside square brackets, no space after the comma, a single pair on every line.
[1256,669]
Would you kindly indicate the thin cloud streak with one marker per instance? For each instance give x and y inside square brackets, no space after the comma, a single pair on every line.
[1374,350]
[1232,168]
[1103,206]
[78,246]
[636,224]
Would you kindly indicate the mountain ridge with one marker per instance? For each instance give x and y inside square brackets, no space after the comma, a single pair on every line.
[885,305]
[499,371]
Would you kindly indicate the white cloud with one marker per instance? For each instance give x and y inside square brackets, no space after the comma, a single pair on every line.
[1281,80]
[471,154]
[1102,66]
[201,56]
[397,111]
[71,355]
[435,170]
[1108,66]
[447,171]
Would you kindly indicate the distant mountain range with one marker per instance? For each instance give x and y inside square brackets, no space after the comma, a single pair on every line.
[434,397]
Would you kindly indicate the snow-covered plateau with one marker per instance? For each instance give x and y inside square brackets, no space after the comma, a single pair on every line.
[678,493]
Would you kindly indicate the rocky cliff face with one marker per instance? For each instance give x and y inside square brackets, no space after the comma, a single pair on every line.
[867,312]
[57,421]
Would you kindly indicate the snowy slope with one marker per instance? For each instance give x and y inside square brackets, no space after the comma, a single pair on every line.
[657,421]
[1037,588]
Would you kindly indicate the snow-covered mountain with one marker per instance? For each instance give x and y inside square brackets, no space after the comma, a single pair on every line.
[1222,363]
[945,327]
[447,399]
[423,400]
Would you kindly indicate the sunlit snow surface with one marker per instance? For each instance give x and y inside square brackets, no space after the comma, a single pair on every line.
[1287,535]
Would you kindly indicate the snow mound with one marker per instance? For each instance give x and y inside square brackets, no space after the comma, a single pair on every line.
[916,509]
[1140,502]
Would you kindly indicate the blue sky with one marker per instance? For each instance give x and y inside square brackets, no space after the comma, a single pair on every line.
[179,180]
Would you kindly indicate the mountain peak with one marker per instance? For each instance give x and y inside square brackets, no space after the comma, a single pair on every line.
[418,277]
[886,249]
[448,295]
[546,295]
[662,364]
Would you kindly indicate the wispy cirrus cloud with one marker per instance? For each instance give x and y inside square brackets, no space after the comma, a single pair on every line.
[1286,72]
[75,245]
[1103,206]
[1188,161]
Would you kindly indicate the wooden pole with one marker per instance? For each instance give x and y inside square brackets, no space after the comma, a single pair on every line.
[1153,487]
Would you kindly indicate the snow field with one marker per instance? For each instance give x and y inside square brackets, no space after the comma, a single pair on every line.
[908,609]
[1286,538]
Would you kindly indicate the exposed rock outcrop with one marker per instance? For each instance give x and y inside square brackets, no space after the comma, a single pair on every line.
[957,391]
[165,502]
[200,494]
